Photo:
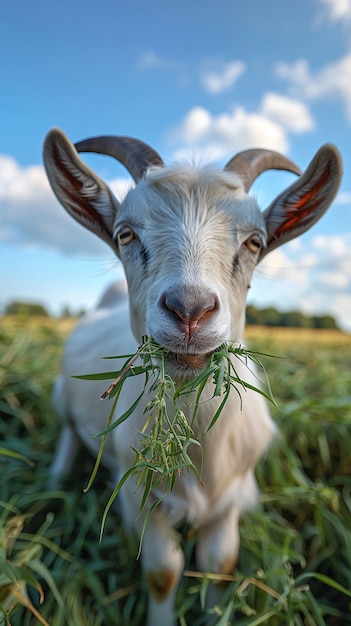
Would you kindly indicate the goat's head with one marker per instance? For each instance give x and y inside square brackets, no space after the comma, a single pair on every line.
[188,239]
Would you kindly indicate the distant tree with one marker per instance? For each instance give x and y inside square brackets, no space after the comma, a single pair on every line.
[324,321]
[253,315]
[271,317]
[296,319]
[25,309]
[66,312]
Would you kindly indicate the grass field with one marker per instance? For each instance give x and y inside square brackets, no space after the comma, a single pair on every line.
[295,558]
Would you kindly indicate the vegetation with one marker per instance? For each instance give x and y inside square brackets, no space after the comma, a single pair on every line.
[25,309]
[293,319]
[295,560]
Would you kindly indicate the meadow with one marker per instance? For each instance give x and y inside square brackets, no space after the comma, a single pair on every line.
[295,559]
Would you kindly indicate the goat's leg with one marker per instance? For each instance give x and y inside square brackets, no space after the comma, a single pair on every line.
[162,557]
[217,549]
[163,563]
[64,456]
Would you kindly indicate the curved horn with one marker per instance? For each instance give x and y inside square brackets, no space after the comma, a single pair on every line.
[249,164]
[135,155]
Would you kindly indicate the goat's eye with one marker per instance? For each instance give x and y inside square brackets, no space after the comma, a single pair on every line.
[125,235]
[254,243]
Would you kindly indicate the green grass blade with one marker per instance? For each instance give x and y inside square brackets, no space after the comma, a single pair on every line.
[323,578]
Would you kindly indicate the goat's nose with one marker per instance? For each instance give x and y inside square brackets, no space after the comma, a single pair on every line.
[190,310]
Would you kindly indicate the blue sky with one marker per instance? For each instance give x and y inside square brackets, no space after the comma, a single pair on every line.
[193,79]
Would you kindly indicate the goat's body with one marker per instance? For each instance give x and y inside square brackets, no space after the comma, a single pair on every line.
[230,449]
[189,241]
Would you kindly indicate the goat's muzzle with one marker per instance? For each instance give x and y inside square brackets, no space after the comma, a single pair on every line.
[190,314]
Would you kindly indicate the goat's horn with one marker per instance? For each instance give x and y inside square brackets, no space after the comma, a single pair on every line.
[135,155]
[249,164]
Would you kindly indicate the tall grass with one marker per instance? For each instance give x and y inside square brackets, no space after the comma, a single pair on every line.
[295,558]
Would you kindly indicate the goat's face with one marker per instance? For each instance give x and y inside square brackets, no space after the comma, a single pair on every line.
[189,242]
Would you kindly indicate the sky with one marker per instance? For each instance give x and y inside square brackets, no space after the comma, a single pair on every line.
[195,79]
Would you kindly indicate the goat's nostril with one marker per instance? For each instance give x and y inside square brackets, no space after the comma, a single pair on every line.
[190,311]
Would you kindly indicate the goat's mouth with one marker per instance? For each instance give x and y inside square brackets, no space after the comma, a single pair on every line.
[190,361]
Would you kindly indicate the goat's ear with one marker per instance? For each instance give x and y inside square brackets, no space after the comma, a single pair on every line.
[82,193]
[305,201]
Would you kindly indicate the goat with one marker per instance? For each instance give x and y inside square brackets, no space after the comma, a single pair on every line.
[189,240]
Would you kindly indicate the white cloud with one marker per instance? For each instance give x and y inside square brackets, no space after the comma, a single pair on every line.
[343,197]
[149,60]
[32,217]
[20,183]
[223,77]
[120,187]
[332,81]
[336,10]
[313,276]
[291,114]
[268,127]
[195,126]
[216,135]
[215,75]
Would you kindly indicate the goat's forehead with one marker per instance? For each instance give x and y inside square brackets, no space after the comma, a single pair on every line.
[188,194]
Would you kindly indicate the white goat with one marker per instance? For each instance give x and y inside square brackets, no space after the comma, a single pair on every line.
[189,241]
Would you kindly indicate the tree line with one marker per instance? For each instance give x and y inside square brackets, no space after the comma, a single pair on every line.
[264,317]
[32,309]
[272,317]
